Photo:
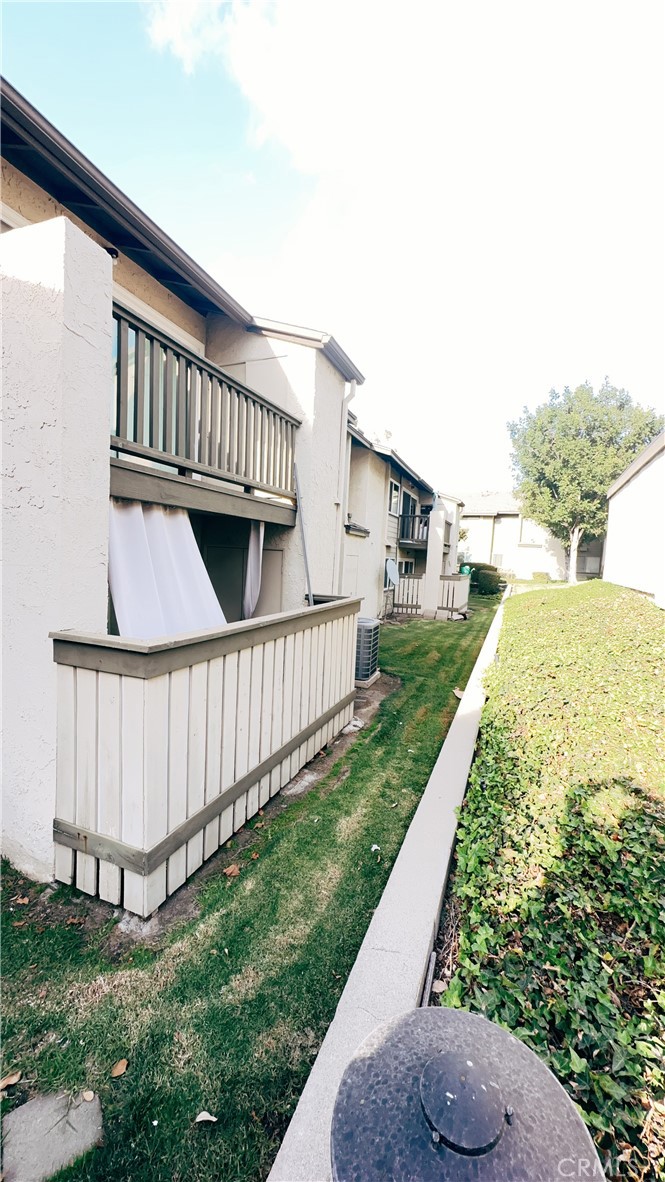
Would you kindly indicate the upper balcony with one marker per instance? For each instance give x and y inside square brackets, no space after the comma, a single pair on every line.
[414,530]
[191,423]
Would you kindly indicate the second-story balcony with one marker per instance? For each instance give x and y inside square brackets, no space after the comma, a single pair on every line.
[177,410]
[413,530]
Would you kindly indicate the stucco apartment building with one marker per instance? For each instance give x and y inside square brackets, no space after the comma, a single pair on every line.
[156,435]
[394,514]
[153,428]
[635,543]
[498,533]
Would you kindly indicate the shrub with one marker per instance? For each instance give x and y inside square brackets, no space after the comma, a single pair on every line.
[476,568]
[540,576]
[488,582]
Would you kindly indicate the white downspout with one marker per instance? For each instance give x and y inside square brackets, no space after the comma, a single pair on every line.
[342,491]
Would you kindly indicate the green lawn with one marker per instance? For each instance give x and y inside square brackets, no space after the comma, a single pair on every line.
[227,1015]
[560,873]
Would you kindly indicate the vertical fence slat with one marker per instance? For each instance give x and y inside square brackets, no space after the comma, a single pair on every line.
[255,704]
[86,772]
[168,432]
[225,411]
[155,392]
[287,705]
[181,409]
[155,781]
[204,434]
[132,692]
[109,779]
[65,801]
[248,466]
[296,724]
[242,731]
[266,716]
[277,717]
[228,760]
[176,870]
[139,388]
[192,413]
[215,408]
[213,749]
[233,429]
[123,377]
[196,757]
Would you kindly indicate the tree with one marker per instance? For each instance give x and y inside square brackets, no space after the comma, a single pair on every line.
[568,452]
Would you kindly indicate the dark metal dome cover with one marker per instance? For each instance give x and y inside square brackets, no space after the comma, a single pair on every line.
[440,1094]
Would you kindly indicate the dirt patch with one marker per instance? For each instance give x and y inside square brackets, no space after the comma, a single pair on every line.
[286,1044]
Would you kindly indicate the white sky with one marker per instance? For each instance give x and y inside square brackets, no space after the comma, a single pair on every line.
[486,219]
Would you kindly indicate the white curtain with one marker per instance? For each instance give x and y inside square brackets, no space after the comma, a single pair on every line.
[159,583]
[254,565]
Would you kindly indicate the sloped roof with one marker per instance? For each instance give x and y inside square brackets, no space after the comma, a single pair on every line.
[645,457]
[491,504]
[37,149]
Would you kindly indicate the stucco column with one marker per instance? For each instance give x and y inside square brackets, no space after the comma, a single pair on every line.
[57,374]
[434,568]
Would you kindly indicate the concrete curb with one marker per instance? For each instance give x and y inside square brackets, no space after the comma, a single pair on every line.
[389,972]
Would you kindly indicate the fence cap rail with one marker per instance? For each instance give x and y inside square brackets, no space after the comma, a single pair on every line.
[151,658]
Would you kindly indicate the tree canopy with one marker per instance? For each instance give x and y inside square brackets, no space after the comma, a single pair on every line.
[568,452]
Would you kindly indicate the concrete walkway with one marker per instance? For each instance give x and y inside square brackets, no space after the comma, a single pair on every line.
[388,975]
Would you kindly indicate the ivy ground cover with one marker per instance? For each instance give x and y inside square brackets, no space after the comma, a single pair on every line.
[225,1013]
[559,881]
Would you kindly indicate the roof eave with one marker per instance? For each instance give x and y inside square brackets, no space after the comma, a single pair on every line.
[314,339]
[61,155]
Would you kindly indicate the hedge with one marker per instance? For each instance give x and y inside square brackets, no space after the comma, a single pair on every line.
[560,860]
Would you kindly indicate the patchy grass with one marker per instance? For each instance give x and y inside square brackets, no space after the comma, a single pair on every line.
[227,1014]
[560,873]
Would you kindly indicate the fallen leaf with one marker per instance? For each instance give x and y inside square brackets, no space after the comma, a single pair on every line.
[458,692]
[23,899]
[88,1095]
[42,993]
[438,986]
[260,812]
[204,1116]
[254,856]
[119,1068]
[232,871]
[73,919]
[394,806]
[10,1080]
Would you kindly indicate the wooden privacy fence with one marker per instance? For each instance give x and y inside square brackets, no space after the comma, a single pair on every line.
[172,406]
[166,748]
[408,597]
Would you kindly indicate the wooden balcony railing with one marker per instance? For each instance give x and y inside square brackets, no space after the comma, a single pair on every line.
[413,529]
[178,409]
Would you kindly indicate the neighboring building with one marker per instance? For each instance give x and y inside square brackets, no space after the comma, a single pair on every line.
[149,749]
[635,543]
[394,514]
[498,533]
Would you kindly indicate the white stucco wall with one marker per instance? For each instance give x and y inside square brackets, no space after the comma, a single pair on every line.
[364,558]
[301,380]
[522,546]
[635,543]
[57,318]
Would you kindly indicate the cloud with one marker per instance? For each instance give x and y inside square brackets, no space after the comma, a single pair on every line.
[486,215]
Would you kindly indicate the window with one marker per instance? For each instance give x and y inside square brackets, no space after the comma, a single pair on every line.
[393,503]
[409,504]
[530,533]
[407,567]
